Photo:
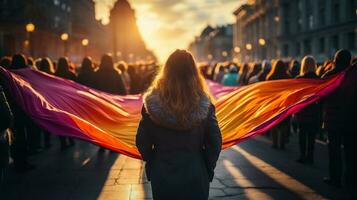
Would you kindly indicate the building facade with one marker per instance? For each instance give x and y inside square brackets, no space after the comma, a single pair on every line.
[214,44]
[268,29]
[127,43]
[50,19]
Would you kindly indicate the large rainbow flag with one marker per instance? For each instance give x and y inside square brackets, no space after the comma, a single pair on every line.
[66,108]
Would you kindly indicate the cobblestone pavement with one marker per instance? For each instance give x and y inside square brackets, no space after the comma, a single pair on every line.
[250,170]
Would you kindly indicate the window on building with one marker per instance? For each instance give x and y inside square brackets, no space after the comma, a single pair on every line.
[351,40]
[286,18]
[299,15]
[307,46]
[309,14]
[353,8]
[286,50]
[322,45]
[322,12]
[336,12]
[298,49]
[335,43]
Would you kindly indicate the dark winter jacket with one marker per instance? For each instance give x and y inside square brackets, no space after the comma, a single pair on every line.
[180,161]
[312,113]
[5,113]
[339,108]
[110,81]
[67,75]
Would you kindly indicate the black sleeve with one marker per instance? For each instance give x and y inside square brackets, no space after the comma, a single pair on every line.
[212,142]
[143,140]
[5,112]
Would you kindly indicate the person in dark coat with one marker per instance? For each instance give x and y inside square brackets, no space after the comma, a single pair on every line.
[6,121]
[86,74]
[63,71]
[5,62]
[339,119]
[108,79]
[281,131]
[178,136]
[309,118]
[23,128]
[46,66]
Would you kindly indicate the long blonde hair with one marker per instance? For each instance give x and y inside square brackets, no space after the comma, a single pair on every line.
[308,64]
[180,85]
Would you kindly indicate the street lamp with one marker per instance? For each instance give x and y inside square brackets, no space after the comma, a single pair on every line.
[248,46]
[237,49]
[85,43]
[224,53]
[262,42]
[30,28]
[64,38]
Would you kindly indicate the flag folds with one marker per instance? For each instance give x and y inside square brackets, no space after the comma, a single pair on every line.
[66,108]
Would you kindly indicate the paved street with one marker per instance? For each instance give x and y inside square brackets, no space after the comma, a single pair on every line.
[251,170]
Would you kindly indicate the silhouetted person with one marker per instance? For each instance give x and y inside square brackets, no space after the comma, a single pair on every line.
[309,118]
[281,131]
[178,135]
[340,118]
[294,68]
[5,123]
[46,65]
[219,73]
[123,67]
[5,62]
[230,78]
[63,71]
[108,79]
[253,72]
[86,74]
[266,67]
[243,75]
[22,125]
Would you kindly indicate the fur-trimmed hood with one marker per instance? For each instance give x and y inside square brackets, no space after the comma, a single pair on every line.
[164,117]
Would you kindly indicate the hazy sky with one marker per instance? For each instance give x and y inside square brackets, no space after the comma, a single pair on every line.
[167,25]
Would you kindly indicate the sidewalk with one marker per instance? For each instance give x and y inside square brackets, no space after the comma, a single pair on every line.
[251,170]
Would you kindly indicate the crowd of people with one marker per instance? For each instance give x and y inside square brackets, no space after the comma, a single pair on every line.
[330,119]
[333,114]
[20,137]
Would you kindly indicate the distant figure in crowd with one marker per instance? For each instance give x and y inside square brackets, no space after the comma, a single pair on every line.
[254,71]
[308,119]
[340,123]
[178,135]
[5,62]
[230,78]
[279,132]
[266,67]
[107,79]
[219,73]
[63,71]
[22,128]
[294,68]
[123,67]
[86,74]
[46,66]
[243,74]
[6,122]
